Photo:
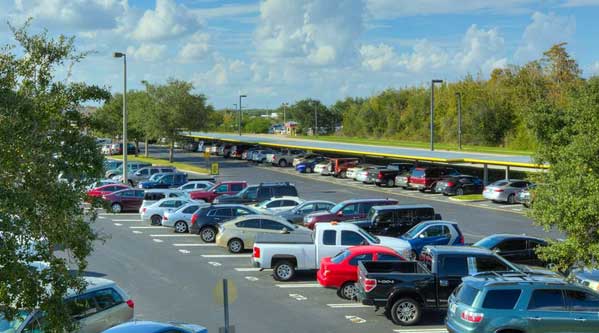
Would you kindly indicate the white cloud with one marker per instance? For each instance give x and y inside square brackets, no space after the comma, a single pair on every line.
[227,11]
[318,32]
[149,52]
[378,57]
[387,9]
[167,20]
[580,3]
[195,48]
[425,56]
[544,31]
[481,50]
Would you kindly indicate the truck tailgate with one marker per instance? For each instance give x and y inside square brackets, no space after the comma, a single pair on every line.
[377,279]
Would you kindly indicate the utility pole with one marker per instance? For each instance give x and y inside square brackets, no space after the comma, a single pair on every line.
[433,112]
[240,96]
[125,144]
[459,98]
[315,119]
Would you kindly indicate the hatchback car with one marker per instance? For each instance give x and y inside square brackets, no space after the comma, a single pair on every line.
[297,213]
[139,326]
[180,219]
[98,192]
[505,190]
[154,213]
[240,233]
[518,249]
[278,204]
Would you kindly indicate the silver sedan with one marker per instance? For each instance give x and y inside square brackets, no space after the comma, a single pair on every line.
[181,218]
[505,190]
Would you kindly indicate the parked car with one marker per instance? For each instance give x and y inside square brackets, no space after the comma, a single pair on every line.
[240,233]
[117,149]
[323,168]
[164,180]
[431,233]
[220,188]
[394,220]
[425,178]
[341,271]
[124,200]
[145,173]
[154,212]
[368,174]
[131,166]
[101,182]
[98,192]
[347,210]
[286,156]
[505,190]
[403,180]
[155,195]
[506,303]
[237,151]
[352,173]
[260,193]
[103,304]
[305,157]
[339,166]
[386,176]
[587,277]
[106,149]
[287,254]
[459,185]
[518,249]
[525,197]
[308,165]
[180,219]
[196,185]
[206,220]
[142,326]
[297,213]
[111,164]
[406,289]
[270,156]
[259,156]
[223,150]
[278,204]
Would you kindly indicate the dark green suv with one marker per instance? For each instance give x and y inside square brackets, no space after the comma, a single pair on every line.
[519,303]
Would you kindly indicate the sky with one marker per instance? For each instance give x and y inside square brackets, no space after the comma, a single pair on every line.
[282,51]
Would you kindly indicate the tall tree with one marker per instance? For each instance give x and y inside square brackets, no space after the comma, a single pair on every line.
[42,138]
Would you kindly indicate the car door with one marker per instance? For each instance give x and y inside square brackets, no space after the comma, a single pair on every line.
[467,185]
[450,270]
[349,212]
[547,312]
[514,250]
[584,310]
[263,194]
[83,309]
[434,234]
[385,224]
[329,246]
[128,199]
[222,215]
[112,308]
[248,231]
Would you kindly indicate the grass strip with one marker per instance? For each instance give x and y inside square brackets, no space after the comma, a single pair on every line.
[160,161]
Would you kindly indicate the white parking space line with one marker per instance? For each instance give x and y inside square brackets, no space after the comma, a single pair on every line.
[421,330]
[194,244]
[247,269]
[101,217]
[299,285]
[251,278]
[119,214]
[185,251]
[215,264]
[137,232]
[226,255]
[355,319]
[157,240]
[148,227]
[298,297]
[126,220]
[118,224]
[171,235]
[348,306]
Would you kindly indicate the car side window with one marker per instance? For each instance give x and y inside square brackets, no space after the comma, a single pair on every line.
[222,188]
[154,171]
[255,224]
[424,214]
[173,195]
[547,300]
[128,194]
[385,217]
[329,237]
[350,209]
[488,264]
[323,206]
[276,203]
[82,306]
[236,187]
[241,212]
[351,238]
[288,203]
[533,244]
[453,266]
[271,225]
[386,257]
[139,194]
[361,257]
[188,186]
[190,209]
[433,231]
[306,209]
[581,301]
[502,299]
[365,207]
[264,192]
[169,203]
[107,298]
[226,212]
[512,245]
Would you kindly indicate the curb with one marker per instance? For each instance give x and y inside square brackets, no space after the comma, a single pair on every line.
[467,200]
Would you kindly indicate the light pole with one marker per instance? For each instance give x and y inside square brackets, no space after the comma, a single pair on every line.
[125,145]
[234,104]
[285,113]
[315,119]
[240,96]
[433,112]
[458,95]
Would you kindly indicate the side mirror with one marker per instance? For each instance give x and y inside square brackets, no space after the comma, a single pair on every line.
[340,213]
[421,236]
[138,173]
[284,231]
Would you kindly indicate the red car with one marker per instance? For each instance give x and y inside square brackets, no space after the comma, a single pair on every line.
[98,192]
[341,271]
[230,188]
[125,200]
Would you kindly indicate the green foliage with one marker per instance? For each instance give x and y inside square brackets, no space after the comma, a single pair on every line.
[256,125]
[308,111]
[41,135]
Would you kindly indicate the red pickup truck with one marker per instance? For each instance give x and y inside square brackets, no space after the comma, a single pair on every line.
[229,187]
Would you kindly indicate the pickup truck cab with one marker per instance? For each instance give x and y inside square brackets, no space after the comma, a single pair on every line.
[222,188]
[386,177]
[287,254]
[406,289]
[339,166]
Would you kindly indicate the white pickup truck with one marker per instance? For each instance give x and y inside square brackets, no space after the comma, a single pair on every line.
[288,253]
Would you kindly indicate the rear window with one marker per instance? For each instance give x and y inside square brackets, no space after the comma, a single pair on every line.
[466,294]
[340,257]
[504,299]
[418,173]
[499,183]
[280,191]
[153,196]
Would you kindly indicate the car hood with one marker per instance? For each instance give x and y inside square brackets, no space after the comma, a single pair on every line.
[400,245]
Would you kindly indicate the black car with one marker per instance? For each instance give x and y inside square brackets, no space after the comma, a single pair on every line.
[519,249]
[459,185]
[394,220]
[259,193]
[206,220]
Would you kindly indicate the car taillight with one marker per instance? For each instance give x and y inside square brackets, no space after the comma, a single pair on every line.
[256,253]
[194,218]
[472,317]
[369,284]
[143,210]
[498,190]
[131,304]
[380,175]
[164,218]
[450,184]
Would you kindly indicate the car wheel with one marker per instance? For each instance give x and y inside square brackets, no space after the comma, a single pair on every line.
[511,199]
[263,161]
[343,174]
[284,271]
[390,183]
[235,245]
[459,192]
[116,208]
[181,227]
[348,291]
[208,234]
[405,312]
[309,170]
[156,220]
[414,255]
[282,163]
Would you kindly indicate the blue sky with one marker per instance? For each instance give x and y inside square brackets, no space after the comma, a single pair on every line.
[278,51]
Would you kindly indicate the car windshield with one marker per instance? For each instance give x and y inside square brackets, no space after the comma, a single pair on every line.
[10,326]
[371,238]
[340,257]
[500,183]
[410,234]
[487,243]
[371,213]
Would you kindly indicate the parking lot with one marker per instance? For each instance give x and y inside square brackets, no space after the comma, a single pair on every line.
[173,276]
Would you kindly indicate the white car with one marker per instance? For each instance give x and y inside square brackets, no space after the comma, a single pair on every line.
[351,173]
[154,195]
[323,168]
[195,185]
[154,213]
[278,204]
[180,219]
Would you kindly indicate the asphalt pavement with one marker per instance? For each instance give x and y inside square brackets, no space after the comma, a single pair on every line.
[171,277]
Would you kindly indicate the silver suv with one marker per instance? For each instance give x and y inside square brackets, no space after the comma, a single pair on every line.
[146,172]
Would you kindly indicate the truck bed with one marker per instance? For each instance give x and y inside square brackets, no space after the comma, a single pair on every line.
[369,268]
[292,238]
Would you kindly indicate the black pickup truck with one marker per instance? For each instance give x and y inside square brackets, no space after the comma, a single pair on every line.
[406,289]
[386,177]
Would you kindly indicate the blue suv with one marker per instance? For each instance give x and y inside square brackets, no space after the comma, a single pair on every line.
[164,180]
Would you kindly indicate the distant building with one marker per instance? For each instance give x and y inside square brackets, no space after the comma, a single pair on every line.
[290,128]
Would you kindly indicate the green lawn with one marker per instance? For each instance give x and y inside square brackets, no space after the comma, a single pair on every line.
[160,161]
[416,144]
[469,197]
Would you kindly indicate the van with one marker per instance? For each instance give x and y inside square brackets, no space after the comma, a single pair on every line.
[394,220]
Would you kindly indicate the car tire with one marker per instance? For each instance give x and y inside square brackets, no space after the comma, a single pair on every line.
[459,192]
[235,245]
[116,208]
[130,183]
[406,312]
[282,163]
[390,183]
[284,270]
[348,291]
[156,220]
[511,199]
[343,175]
[262,161]
[414,255]
[181,227]
[309,170]
[208,234]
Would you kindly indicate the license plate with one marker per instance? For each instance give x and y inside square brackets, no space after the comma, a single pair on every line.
[452,307]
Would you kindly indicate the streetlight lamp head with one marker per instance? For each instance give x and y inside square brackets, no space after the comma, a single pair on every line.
[118,54]
[243,96]
[437,81]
